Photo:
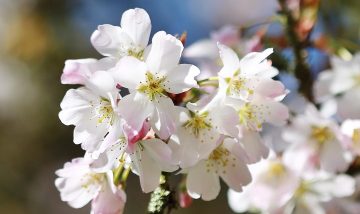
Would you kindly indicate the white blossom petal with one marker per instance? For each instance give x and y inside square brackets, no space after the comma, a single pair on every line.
[201,183]
[182,78]
[165,53]
[110,40]
[136,23]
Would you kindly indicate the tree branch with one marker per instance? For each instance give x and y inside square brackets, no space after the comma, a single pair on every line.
[301,71]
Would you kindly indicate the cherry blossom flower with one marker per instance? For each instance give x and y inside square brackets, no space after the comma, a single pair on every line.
[278,187]
[242,79]
[149,158]
[249,89]
[79,184]
[150,81]
[315,189]
[130,39]
[199,128]
[343,79]
[224,161]
[92,110]
[317,141]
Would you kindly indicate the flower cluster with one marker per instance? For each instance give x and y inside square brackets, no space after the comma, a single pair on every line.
[139,109]
[311,173]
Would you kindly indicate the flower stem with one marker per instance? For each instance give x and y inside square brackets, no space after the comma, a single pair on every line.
[163,199]
[211,81]
[302,71]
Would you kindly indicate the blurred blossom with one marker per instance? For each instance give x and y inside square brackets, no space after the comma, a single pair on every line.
[342,85]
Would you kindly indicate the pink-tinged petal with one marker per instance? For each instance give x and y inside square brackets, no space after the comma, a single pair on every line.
[201,183]
[230,61]
[110,40]
[136,23]
[135,108]
[134,136]
[79,70]
[272,89]
[205,48]
[165,53]
[109,202]
[181,78]
[163,117]
[227,35]
[129,72]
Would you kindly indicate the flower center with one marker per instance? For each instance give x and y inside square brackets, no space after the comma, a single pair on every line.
[220,158]
[92,179]
[153,86]
[104,111]
[237,86]
[303,188]
[276,169]
[356,136]
[321,134]
[197,123]
[249,117]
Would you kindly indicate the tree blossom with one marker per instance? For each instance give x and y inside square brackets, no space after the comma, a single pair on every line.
[199,128]
[343,79]
[145,155]
[79,184]
[151,80]
[225,162]
[130,39]
[149,158]
[277,187]
[92,110]
[249,89]
[317,141]
[205,51]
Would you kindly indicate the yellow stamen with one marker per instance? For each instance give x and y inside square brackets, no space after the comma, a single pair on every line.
[321,134]
[153,86]
[197,123]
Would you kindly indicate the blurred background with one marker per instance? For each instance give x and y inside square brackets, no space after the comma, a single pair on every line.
[37,36]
